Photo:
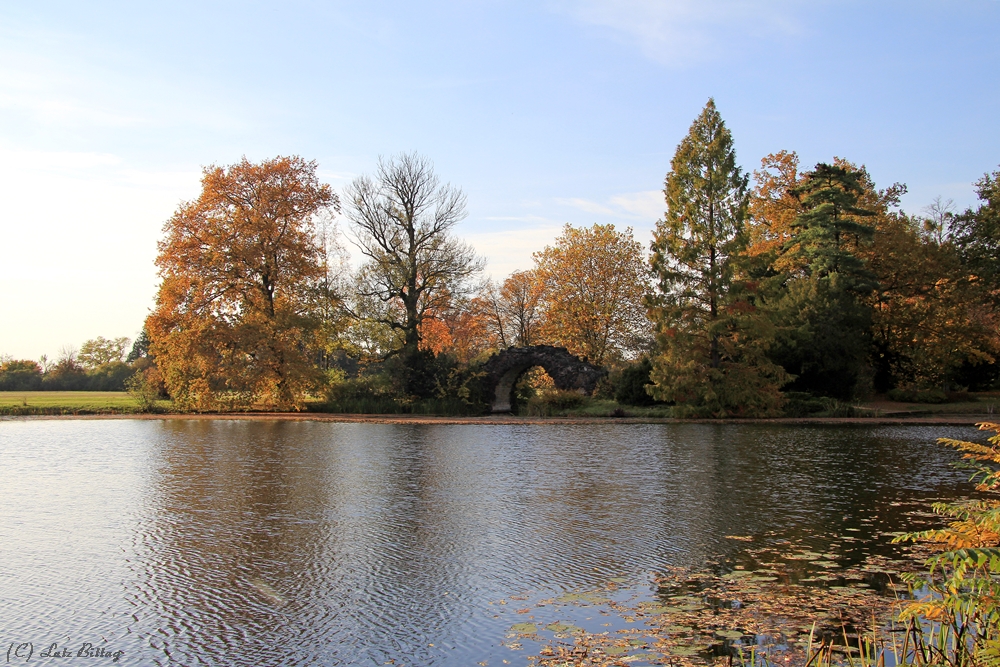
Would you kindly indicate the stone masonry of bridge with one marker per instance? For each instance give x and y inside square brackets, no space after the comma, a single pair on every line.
[567,371]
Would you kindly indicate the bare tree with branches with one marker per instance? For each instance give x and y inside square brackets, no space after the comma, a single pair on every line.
[514,309]
[402,219]
[940,216]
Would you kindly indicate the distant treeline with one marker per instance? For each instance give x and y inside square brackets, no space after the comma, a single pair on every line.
[99,365]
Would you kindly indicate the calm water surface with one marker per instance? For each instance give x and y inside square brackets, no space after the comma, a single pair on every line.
[303,543]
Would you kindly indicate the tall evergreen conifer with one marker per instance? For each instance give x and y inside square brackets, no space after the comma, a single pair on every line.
[824,234]
[711,357]
[827,325]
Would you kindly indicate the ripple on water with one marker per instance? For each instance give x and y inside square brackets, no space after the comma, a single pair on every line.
[245,543]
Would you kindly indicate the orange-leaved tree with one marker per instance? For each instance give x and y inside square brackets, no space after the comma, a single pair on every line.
[593,283]
[242,269]
[773,208]
[513,310]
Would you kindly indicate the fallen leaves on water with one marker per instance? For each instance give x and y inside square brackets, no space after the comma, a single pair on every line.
[703,618]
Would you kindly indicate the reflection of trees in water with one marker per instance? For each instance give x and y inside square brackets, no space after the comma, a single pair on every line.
[373,541]
[233,532]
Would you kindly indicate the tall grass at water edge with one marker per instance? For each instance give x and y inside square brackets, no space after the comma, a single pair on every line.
[953,616]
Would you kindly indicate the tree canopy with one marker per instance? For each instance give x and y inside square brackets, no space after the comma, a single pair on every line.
[711,342]
[402,219]
[814,281]
[593,281]
[101,351]
[241,268]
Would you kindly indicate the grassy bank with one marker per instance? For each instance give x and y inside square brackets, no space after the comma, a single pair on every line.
[569,405]
[565,404]
[69,403]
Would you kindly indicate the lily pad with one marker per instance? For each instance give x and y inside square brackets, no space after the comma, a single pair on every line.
[524,628]
[563,628]
[684,651]
[615,650]
[729,634]
[656,610]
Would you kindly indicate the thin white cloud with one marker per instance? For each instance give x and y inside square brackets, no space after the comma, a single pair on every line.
[677,32]
[645,206]
[511,250]
[337,177]
[519,218]
[587,206]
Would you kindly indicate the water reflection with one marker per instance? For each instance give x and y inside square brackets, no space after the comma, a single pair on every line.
[294,543]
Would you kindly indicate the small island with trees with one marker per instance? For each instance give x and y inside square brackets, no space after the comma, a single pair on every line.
[788,292]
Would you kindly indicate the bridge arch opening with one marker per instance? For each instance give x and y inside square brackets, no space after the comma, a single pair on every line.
[518,385]
[567,372]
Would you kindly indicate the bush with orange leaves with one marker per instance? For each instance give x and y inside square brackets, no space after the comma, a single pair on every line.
[956,621]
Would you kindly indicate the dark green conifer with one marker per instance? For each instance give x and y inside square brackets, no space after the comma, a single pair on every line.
[828,227]
[826,325]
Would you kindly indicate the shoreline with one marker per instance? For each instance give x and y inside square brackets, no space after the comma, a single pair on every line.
[506,420]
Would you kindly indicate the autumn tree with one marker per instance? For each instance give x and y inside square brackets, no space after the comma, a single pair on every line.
[934,323]
[773,208]
[932,327]
[514,309]
[239,267]
[462,330]
[711,358]
[403,219]
[976,235]
[592,284]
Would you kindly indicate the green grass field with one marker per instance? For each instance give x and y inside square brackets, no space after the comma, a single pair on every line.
[66,402]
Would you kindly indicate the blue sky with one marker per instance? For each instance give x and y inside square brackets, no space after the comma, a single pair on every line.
[544,113]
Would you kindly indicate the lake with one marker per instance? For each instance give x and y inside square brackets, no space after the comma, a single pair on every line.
[206,542]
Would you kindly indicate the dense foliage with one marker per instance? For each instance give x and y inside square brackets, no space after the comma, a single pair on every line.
[74,371]
[958,611]
[242,275]
[712,340]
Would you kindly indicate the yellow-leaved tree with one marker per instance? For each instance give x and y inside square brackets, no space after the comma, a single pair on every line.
[242,271]
[593,281]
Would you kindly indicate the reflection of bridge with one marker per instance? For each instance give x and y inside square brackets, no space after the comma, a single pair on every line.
[567,372]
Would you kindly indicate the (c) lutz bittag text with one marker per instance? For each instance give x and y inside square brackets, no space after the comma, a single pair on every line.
[25,651]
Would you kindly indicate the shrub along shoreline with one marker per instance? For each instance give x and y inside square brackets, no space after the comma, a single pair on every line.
[557,406]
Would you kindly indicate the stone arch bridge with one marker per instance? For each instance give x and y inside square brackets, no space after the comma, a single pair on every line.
[567,372]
